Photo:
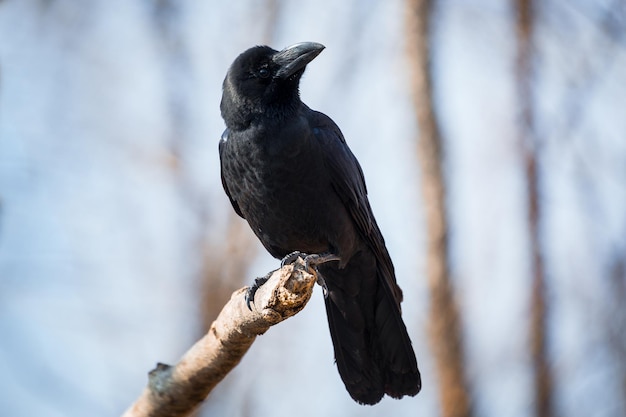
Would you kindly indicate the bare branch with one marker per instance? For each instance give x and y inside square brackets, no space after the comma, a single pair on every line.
[177,390]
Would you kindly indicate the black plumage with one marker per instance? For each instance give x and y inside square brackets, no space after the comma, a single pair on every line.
[288,171]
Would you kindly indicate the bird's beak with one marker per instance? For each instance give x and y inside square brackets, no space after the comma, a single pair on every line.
[295,57]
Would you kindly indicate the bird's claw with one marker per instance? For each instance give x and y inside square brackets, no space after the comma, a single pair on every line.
[253,289]
[311,262]
[292,257]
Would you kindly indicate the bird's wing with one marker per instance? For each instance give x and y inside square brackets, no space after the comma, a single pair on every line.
[346,173]
[222,145]
[349,183]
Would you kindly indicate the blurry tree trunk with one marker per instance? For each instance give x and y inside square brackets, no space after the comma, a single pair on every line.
[538,326]
[272,16]
[177,390]
[444,321]
[224,267]
[615,320]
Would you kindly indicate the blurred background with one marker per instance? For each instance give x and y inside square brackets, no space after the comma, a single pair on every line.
[492,135]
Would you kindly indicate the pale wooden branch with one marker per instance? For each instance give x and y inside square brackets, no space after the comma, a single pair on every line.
[177,390]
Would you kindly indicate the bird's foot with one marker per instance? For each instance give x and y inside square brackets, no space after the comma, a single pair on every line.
[291,258]
[314,260]
[254,287]
[311,261]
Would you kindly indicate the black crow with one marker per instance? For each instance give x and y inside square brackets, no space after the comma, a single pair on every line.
[288,171]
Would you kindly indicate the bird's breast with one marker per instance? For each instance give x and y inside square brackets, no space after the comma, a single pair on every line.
[280,188]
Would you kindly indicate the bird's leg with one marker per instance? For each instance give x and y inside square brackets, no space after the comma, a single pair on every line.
[313,260]
[254,287]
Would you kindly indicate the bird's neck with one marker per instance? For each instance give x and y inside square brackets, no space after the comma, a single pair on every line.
[242,114]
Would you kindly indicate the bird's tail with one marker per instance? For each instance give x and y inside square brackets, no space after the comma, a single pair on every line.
[372,347]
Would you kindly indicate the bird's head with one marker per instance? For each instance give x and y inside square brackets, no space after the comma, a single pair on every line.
[263,80]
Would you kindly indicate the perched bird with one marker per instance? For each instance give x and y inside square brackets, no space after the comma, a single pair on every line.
[288,171]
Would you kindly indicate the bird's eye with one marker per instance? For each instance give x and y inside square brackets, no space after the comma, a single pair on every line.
[264,72]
